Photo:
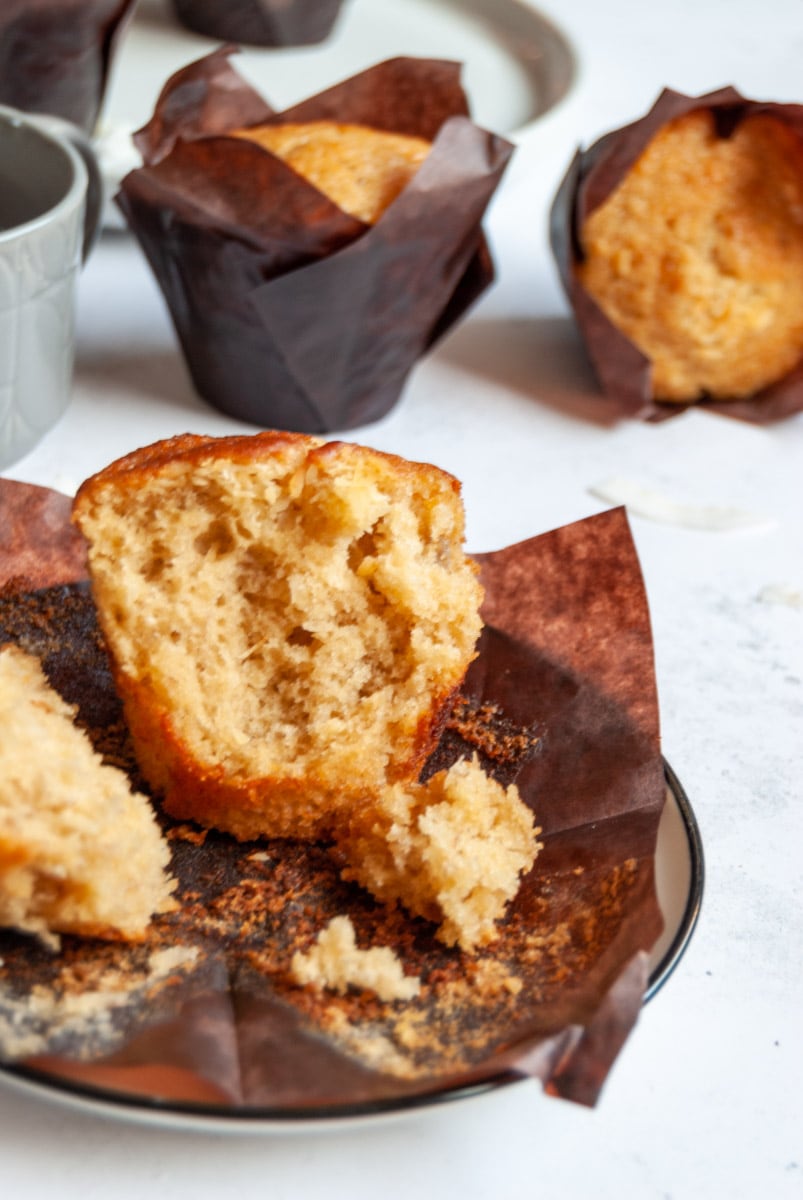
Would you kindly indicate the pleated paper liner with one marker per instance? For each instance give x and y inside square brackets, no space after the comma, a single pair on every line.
[291,313]
[56,55]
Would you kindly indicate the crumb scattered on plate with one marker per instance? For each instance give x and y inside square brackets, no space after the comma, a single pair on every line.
[335,961]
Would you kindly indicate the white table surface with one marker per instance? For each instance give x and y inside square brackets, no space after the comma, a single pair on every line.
[705,1100]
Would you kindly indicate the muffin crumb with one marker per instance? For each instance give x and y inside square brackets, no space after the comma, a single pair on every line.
[451,850]
[336,962]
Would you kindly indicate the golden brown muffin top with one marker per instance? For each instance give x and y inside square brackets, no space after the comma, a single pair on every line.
[361,169]
[697,256]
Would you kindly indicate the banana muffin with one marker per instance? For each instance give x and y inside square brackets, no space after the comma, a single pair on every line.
[289,621]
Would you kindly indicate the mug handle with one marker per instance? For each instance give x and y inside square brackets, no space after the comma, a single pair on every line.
[60,128]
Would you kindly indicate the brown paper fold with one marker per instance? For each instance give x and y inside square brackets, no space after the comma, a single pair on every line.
[296,315]
[38,546]
[193,1058]
[55,55]
[622,370]
[260,22]
[567,649]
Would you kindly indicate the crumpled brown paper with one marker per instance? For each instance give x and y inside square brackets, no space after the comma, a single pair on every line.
[260,22]
[294,315]
[55,55]
[622,370]
[38,546]
[566,651]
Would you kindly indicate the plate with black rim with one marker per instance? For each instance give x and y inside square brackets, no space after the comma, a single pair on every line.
[679,864]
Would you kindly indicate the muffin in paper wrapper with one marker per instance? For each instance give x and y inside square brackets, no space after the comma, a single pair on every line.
[622,369]
[292,314]
[55,55]
[205,1015]
[260,22]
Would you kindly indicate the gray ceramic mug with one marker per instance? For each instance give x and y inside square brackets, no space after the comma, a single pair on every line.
[50,196]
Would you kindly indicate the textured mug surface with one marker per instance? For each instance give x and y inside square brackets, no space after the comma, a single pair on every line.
[43,188]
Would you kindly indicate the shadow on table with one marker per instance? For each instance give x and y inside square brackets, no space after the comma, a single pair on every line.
[148,375]
[542,359]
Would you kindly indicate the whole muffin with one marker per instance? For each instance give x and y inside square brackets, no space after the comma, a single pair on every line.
[680,243]
[698,256]
[310,258]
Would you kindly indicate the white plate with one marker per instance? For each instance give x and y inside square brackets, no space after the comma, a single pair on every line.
[679,882]
[517,64]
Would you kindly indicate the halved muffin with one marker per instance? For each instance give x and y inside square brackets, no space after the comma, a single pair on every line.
[288,621]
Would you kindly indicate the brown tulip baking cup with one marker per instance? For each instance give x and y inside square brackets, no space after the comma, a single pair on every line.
[261,22]
[204,1012]
[622,369]
[55,55]
[292,314]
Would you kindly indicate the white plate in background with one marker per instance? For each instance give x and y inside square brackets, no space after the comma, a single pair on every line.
[517,65]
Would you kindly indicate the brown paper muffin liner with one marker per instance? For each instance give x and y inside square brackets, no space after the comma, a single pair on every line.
[205,1014]
[622,370]
[304,318]
[260,22]
[55,55]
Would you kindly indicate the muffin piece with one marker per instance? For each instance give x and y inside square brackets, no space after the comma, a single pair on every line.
[288,621]
[293,313]
[335,961]
[79,852]
[362,170]
[697,256]
[451,850]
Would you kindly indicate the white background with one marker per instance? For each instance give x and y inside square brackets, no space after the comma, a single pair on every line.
[705,1100]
